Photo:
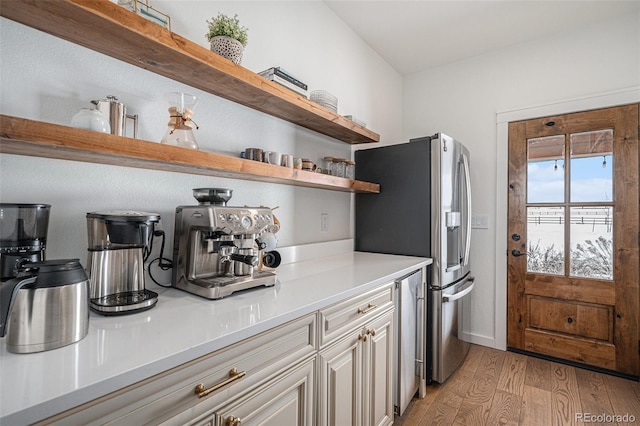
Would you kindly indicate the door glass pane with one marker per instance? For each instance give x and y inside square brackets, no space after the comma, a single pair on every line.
[591,166]
[592,242]
[545,236]
[545,169]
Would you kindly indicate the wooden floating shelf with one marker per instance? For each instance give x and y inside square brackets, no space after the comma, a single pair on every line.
[107,28]
[39,139]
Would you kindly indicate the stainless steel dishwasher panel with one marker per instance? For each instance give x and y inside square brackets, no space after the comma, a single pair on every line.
[410,348]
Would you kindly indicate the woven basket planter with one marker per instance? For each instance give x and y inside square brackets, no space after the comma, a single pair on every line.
[227,47]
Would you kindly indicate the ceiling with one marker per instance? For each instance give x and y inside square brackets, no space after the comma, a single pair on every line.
[416,35]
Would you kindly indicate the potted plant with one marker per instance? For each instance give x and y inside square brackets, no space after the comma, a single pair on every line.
[227,37]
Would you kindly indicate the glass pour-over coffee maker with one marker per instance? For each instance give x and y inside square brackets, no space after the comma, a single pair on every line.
[180,126]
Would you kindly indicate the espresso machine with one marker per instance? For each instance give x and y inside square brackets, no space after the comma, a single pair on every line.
[216,248]
[23,236]
[119,244]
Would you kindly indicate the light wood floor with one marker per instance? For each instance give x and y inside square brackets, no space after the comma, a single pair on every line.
[493,387]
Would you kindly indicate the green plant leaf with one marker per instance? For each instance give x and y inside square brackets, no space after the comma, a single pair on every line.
[222,25]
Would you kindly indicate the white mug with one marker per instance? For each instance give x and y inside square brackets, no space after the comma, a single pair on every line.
[273,157]
[287,161]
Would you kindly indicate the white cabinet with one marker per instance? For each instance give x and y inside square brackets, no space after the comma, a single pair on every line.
[253,369]
[378,368]
[356,367]
[341,382]
[331,367]
[287,400]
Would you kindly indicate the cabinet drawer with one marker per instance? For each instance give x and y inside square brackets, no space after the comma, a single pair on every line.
[166,394]
[350,314]
[287,399]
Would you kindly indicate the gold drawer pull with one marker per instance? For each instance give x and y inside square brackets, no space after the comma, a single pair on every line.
[372,332]
[369,307]
[233,375]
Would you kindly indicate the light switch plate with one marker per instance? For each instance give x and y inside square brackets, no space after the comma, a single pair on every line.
[480,222]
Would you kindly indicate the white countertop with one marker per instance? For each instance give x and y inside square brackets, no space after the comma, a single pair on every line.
[121,350]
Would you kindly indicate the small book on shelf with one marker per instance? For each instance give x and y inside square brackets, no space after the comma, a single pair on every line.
[287,84]
[283,74]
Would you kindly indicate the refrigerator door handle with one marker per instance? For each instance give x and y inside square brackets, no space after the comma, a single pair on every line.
[460,294]
[467,179]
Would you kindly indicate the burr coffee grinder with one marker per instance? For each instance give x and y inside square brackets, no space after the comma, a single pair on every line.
[118,247]
[23,236]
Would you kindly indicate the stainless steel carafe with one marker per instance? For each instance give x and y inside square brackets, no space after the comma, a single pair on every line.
[116,113]
[45,307]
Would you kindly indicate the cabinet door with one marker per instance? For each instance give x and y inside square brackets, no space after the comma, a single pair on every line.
[341,382]
[288,399]
[378,371]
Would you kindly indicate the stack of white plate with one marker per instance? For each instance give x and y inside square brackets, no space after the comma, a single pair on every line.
[325,99]
[357,121]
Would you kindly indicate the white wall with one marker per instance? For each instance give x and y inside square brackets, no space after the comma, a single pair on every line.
[463,98]
[48,79]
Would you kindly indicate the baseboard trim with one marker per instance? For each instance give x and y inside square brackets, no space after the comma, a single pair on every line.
[479,339]
[574,364]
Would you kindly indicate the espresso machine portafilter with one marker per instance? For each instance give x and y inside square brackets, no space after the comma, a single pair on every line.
[216,247]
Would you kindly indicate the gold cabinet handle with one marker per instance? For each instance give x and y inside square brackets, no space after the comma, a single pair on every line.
[362,337]
[234,421]
[201,391]
[371,332]
[369,307]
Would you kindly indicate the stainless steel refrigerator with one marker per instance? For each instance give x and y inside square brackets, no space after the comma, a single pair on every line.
[423,209]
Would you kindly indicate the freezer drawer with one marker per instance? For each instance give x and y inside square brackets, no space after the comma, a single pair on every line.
[448,350]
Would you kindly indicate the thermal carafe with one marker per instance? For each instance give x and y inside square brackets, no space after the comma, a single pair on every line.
[23,236]
[45,307]
[118,244]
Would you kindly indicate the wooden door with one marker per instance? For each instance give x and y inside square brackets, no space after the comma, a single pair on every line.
[573,266]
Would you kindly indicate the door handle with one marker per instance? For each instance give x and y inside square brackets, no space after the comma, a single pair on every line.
[420,347]
[467,178]
[517,253]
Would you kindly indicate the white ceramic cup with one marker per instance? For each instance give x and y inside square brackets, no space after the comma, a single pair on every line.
[287,161]
[273,157]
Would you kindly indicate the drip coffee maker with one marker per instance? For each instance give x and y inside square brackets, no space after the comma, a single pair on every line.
[216,247]
[23,236]
[180,126]
[118,247]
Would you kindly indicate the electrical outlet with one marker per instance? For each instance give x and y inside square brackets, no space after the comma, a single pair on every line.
[324,222]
